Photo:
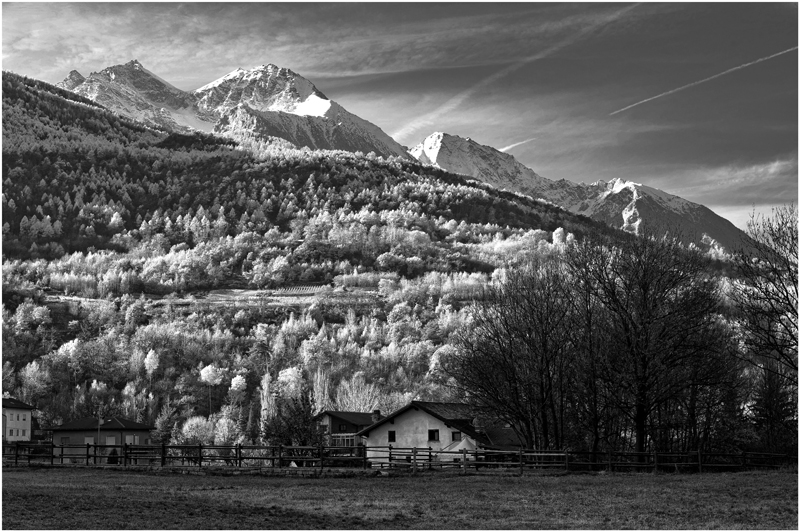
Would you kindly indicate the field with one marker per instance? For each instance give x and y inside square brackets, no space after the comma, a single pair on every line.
[106,499]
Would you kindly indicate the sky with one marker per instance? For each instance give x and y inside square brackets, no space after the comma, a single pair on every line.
[698,100]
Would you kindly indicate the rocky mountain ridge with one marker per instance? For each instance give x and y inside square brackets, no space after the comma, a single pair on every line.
[622,204]
[266,100]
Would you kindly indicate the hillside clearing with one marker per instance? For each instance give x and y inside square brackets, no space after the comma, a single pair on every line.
[91,499]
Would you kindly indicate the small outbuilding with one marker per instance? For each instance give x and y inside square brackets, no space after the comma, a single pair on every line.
[340,427]
[112,431]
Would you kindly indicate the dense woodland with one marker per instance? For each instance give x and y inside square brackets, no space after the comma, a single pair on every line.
[138,224]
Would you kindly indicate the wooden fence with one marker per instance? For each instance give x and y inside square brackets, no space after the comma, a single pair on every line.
[412,459]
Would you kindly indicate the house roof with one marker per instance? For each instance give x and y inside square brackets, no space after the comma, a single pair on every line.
[457,415]
[361,419]
[9,402]
[110,423]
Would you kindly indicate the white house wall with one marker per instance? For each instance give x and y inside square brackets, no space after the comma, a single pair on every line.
[411,430]
[16,429]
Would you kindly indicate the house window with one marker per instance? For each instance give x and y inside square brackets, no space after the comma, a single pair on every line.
[342,427]
[391,436]
[456,436]
[343,441]
[88,439]
[17,417]
[24,417]
[111,440]
[65,440]
[433,435]
[23,432]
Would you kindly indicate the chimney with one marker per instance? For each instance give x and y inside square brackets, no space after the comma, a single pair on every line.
[376,416]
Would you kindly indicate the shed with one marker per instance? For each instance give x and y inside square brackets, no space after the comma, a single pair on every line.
[112,431]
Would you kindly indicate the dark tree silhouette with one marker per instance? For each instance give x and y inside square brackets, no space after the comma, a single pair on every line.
[660,317]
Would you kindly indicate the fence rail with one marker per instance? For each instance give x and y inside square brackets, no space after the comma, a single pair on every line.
[407,458]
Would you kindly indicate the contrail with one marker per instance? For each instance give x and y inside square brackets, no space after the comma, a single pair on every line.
[706,79]
[458,99]
[516,144]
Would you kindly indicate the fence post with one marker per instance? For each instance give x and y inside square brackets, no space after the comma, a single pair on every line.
[390,456]
[87,454]
[364,452]
[280,457]
[199,455]
[521,463]
[16,453]
[61,456]
[94,456]
[52,452]
[321,457]
[699,461]
[464,460]
[430,457]
[566,460]
[415,459]
[239,455]
[609,461]
[163,454]
[655,462]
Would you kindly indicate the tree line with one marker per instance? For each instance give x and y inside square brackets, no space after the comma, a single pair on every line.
[638,344]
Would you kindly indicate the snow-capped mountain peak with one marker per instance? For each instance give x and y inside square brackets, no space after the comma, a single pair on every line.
[276,101]
[465,156]
[263,88]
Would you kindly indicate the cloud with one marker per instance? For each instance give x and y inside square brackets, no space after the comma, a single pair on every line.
[455,102]
[673,91]
[768,182]
[196,42]
[510,146]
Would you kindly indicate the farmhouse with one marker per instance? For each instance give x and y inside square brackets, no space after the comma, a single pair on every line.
[113,431]
[424,425]
[17,420]
[340,427]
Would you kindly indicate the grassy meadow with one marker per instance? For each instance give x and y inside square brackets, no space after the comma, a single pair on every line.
[112,499]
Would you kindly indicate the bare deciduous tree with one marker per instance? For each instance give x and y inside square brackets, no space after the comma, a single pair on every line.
[767,293]
[660,308]
[355,395]
[512,357]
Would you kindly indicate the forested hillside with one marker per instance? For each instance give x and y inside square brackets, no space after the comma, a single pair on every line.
[100,207]
[114,234]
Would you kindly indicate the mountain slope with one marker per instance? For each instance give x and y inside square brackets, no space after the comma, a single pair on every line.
[267,100]
[104,175]
[467,157]
[619,203]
